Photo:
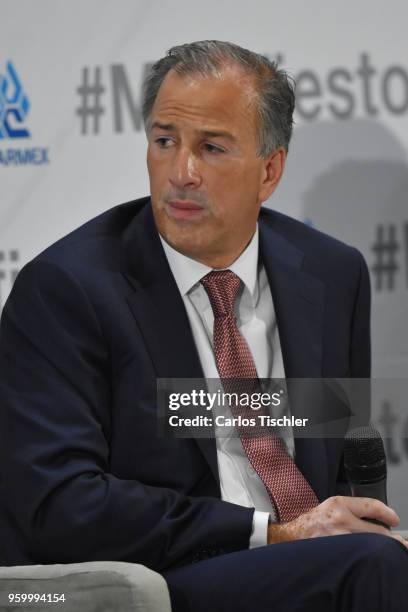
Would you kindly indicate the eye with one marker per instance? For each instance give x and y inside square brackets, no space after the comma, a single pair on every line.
[163,142]
[211,148]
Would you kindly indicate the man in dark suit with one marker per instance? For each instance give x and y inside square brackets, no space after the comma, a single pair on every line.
[131,297]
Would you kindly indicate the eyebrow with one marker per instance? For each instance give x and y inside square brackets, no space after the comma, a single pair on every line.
[169,127]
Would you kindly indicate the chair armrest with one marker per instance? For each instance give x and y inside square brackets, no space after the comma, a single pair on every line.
[97,586]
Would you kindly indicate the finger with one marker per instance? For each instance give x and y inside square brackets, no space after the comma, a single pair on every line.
[358,525]
[365,507]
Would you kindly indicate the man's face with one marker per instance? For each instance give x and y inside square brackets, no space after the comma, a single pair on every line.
[207,183]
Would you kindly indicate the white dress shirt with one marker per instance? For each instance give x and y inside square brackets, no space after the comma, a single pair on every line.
[256,321]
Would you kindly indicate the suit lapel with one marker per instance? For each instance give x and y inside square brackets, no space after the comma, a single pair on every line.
[298,300]
[160,312]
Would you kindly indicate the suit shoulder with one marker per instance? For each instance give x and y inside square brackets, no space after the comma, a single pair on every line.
[311,241]
[96,240]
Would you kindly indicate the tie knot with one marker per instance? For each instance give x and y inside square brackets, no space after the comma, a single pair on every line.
[222,288]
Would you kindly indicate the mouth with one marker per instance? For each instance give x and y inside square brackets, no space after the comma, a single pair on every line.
[184,209]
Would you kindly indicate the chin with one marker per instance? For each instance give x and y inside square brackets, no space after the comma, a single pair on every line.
[186,245]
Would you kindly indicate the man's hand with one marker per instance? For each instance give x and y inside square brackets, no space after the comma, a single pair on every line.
[335,516]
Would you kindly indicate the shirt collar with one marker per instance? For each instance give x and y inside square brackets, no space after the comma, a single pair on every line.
[188,272]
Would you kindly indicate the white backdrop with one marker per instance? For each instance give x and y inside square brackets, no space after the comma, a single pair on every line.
[347,168]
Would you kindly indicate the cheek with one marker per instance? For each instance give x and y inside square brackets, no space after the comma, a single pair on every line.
[251,177]
[158,185]
[238,177]
[233,192]
[221,184]
[155,168]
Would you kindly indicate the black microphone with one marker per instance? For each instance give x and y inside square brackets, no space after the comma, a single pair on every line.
[366,465]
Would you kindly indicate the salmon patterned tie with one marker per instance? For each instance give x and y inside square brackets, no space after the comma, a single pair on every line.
[290,493]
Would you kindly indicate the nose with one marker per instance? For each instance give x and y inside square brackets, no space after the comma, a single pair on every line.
[184,170]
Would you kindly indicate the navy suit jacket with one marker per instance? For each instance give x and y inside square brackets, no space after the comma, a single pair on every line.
[89,326]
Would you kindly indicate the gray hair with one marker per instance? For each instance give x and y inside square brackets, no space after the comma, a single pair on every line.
[274,87]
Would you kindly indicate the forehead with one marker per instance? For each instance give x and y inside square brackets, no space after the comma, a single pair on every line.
[228,99]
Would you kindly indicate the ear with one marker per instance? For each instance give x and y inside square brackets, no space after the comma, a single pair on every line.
[273,168]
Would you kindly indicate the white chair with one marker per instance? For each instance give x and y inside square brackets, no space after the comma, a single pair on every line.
[97,586]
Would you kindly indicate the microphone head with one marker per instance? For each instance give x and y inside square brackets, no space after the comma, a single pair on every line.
[364,455]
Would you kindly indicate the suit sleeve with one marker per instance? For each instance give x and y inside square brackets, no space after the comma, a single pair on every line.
[360,349]
[360,360]
[360,345]
[58,500]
